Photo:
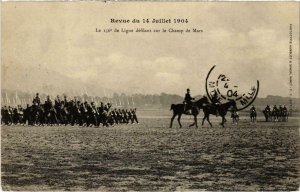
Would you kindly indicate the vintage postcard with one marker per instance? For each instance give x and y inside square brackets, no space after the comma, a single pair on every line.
[150,96]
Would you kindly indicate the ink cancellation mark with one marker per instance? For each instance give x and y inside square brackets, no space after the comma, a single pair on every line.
[227,90]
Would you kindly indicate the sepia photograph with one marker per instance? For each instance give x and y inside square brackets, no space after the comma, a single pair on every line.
[150,96]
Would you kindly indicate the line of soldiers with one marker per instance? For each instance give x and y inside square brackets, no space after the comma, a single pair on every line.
[67,112]
[280,113]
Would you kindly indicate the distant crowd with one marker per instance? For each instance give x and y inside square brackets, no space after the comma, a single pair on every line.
[66,112]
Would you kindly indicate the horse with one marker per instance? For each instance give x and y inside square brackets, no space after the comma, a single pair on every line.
[267,114]
[284,115]
[223,108]
[275,115]
[253,115]
[179,109]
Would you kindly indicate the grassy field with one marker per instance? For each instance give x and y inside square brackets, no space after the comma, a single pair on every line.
[150,156]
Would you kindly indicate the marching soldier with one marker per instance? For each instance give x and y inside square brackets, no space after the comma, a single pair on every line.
[36,101]
[66,101]
[2,115]
[61,111]
[48,101]
[134,117]
[47,107]
[57,101]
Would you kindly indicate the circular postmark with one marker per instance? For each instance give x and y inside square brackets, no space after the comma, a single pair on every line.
[224,89]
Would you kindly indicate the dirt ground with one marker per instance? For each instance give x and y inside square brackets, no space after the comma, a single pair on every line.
[150,156]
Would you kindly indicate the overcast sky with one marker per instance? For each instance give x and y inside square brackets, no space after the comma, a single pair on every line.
[248,40]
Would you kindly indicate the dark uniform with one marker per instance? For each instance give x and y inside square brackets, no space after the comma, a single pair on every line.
[267,109]
[284,109]
[66,101]
[215,102]
[280,109]
[36,100]
[252,109]
[284,112]
[215,99]
[57,101]
[188,100]
[48,104]
[134,117]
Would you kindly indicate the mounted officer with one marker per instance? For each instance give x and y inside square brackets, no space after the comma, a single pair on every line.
[215,102]
[284,112]
[268,109]
[280,108]
[284,109]
[188,102]
[275,109]
[252,109]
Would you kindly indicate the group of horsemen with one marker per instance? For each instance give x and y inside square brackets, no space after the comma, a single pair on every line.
[67,112]
[274,114]
[188,101]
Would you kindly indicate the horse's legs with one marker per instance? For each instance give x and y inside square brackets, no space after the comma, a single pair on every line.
[174,115]
[192,124]
[223,121]
[195,119]
[272,118]
[195,122]
[203,119]
[179,116]
[208,120]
